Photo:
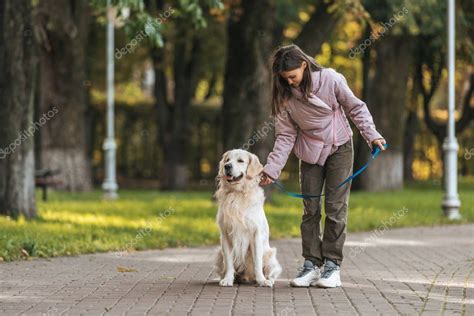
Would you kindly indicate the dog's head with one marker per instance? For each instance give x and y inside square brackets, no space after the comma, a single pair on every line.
[237,166]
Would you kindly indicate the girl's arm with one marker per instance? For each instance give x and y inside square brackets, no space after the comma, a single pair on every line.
[356,109]
[286,132]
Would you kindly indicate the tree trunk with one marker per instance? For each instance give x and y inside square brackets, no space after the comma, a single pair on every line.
[212,86]
[318,29]
[62,35]
[18,67]
[174,116]
[360,146]
[247,77]
[411,130]
[412,124]
[386,102]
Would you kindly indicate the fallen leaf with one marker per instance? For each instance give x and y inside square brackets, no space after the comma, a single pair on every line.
[123,269]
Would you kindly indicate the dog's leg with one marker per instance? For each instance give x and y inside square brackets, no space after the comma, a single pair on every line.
[219,264]
[228,279]
[271,267]
[257,253]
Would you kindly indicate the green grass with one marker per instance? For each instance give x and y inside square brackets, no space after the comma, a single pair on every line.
[70,224]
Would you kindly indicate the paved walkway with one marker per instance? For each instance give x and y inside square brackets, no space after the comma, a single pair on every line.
[400,271]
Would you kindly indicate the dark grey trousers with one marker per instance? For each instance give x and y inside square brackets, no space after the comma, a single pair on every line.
[337,168]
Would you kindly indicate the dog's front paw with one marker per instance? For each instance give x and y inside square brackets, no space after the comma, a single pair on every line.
[226,282]
[271,281]
[265,282]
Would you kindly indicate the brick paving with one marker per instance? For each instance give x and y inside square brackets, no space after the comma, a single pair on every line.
[408,271]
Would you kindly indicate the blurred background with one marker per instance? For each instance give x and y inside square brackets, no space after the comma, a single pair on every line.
[192,80]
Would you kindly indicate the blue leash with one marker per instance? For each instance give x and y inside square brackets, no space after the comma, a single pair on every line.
[374,153]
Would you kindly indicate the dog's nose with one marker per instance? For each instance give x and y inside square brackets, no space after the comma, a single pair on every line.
[228,166]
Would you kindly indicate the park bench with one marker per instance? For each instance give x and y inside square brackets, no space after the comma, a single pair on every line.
[44,178]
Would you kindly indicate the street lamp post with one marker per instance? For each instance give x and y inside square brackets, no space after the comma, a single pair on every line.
[110,184]
[451,202]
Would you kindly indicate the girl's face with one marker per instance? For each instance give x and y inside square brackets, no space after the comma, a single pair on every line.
[294,77]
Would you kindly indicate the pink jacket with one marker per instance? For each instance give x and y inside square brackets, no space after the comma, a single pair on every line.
[314,130]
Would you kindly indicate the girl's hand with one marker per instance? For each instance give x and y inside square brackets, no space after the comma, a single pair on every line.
[379,142]
[265,179]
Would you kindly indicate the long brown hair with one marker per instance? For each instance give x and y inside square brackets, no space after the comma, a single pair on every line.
[286,58]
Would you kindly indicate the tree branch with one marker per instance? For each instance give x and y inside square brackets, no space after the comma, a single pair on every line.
[317,29]
[467,110]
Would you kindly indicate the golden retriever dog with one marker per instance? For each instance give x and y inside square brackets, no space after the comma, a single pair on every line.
[244,255]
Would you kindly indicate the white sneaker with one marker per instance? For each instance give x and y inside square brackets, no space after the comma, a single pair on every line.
[307,274]
[331,276]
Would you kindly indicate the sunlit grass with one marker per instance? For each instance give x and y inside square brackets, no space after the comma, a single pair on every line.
[71,224]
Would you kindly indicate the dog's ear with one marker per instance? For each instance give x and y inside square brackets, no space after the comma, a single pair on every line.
[255,167]
[221,164]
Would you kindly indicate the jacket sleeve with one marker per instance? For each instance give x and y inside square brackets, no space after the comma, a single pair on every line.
[286,132]
[356,109]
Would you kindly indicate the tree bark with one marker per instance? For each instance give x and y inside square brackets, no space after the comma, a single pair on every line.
[360,146]
[386,102]
[62,28]
[174,117]
[318,29]
[18,67]
[247,77]
[412,126]
[411,130]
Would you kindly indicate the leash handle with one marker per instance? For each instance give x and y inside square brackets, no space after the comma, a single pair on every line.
[377,149]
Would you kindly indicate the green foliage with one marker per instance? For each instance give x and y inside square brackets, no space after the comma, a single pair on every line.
[140,23]
[193,9]
[75,223]
[132,4]
[138,19]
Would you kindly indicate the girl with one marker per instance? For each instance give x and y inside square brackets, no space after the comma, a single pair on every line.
[309,105]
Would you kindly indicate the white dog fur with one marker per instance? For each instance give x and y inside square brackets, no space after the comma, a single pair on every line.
[244,255]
